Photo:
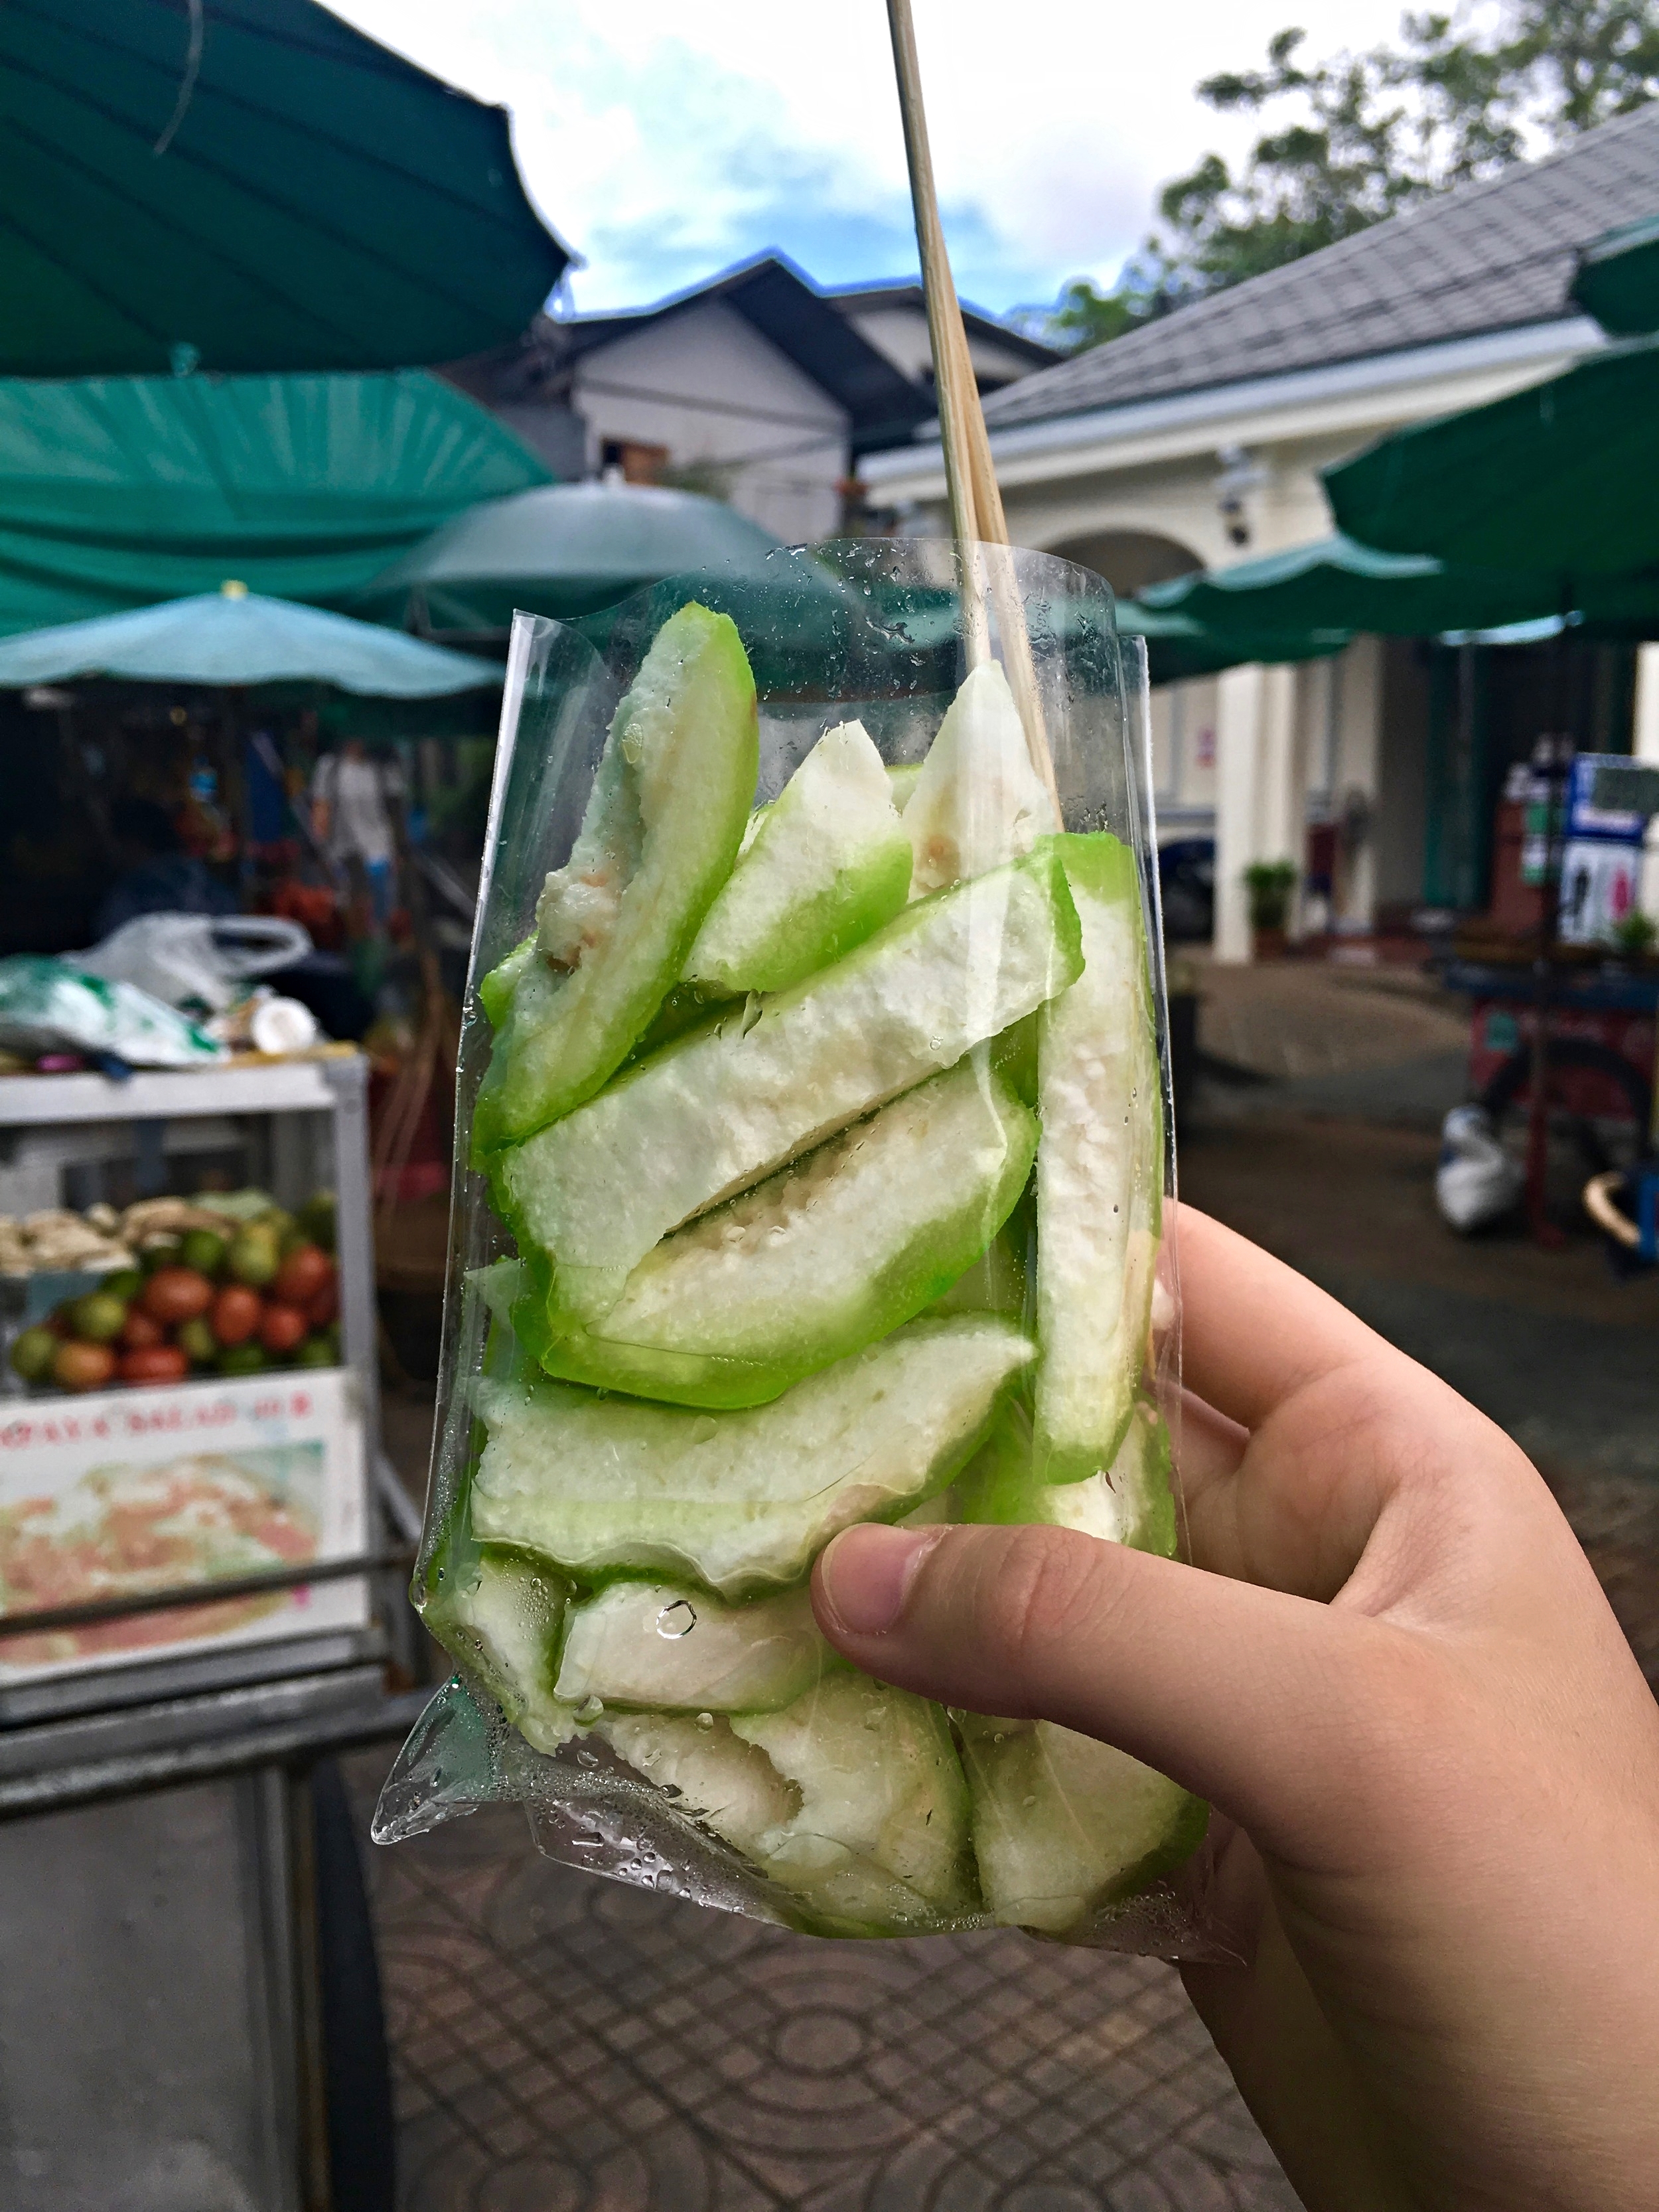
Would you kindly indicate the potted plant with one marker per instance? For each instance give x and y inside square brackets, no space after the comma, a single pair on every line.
[1269,884]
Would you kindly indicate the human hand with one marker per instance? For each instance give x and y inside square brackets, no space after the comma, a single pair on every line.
[1392,1670]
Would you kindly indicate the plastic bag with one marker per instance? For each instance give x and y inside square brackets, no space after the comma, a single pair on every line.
[1475,1182]
[180,958]
[50,1005]
[811,1168]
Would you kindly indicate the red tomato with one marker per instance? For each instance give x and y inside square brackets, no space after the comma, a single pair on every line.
[305,1271]
[139,1332]
[154,1363]
[322,1310]
[77,1366]
[176,1294]
[282,1329]
[237,1312]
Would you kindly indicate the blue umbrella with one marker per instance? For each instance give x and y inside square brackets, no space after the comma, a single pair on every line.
[233,637]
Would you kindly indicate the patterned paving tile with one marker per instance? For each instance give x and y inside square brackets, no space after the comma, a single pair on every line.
[562,2044]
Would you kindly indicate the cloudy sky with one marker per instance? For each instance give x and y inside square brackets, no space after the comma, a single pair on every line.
[666,142]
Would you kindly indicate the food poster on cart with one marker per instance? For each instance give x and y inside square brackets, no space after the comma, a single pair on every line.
[122,1494]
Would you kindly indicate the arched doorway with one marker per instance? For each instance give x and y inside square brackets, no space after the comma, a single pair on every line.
[1129,560]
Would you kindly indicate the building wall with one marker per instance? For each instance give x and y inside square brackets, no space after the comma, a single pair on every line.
[736,417]
[901,332]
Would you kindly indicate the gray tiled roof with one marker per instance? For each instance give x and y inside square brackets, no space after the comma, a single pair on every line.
[1491,257]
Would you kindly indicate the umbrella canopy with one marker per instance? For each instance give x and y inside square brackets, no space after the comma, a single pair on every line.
[1617,279]
[1333,584]
[247,185]
[231,637]
[563,550]
[1179,646]
[1558,479]
[115,494]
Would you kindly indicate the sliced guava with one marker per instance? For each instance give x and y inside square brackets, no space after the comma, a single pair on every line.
[614,925]
[1129,1502]
[715,1111]
[880,1840]
[499,1614]
[902,782]
[1099,1173]
[978,801]
[1064,1825]
[815,1262]
[828,865]
[678,1648]
[743,1501]
[728,1786]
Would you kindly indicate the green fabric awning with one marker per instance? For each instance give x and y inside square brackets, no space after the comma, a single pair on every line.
[1333,584]
[1617,279]
[1178,647]
[237,638]
[118,493]
[1558,480]
[247,185]
[563,549]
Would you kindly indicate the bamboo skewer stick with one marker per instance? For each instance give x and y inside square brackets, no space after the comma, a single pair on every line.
[976,501]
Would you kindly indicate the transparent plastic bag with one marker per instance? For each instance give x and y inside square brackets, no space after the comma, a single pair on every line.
[206,959]
[50,1005]
[811,1155]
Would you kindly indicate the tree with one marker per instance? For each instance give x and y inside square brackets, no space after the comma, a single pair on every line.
[1369,134]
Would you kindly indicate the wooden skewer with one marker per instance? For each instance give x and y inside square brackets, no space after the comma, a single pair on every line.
[976,516]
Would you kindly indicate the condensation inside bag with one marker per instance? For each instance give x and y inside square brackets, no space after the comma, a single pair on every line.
[812,1155]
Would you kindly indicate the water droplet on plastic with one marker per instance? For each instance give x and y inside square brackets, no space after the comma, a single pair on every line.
[997,1738]
[751,1012]
[676,1619]
[1028,1802]
[589,1710]
[705,1720]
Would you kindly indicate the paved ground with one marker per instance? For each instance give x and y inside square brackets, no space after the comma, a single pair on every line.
[563,2045]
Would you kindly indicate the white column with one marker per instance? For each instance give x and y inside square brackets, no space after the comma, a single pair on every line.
[1259,809]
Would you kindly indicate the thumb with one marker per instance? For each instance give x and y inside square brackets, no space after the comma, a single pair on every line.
[1261,1702]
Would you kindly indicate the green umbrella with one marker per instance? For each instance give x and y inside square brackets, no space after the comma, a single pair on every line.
[115,493]
[1557,480]
[247,185]
[561,550]
[1333,584]
[233,638]
[1179,646]
[1617,279]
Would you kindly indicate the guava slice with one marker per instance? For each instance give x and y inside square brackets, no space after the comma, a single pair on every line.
[1064,1825]
[1099,1173]
[902,782]
[716,1110]
[828,865]
[730,1787]
[743,1501]
[819,1260]
[499,1614]
[880,1840]
[613,925]
[678,1649]
[978,801]
[1129,1502]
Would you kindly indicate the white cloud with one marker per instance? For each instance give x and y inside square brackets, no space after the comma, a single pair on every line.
[664,142]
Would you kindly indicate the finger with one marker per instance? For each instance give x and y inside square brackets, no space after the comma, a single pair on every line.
[1250,1696]
[1253,1331]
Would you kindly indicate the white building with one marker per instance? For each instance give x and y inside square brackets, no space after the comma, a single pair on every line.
[1198,441]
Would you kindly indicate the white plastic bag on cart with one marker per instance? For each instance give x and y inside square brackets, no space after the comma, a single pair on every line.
[1476,1182]
[180,958]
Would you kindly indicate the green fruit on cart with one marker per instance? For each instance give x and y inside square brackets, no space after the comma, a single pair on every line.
[316,1218]
[125,1286]
[242,1359]
[253,1258]
[316,1351]
[33,1354]
[163,1253]
[98,1317]
[195,1339]
[204,1251]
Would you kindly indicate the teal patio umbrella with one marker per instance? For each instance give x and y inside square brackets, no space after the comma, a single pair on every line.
[1179,646]
[247,185]
[232,638]
[1617,279]
[560,550]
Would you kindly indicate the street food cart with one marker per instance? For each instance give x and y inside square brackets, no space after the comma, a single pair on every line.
[188,2010]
